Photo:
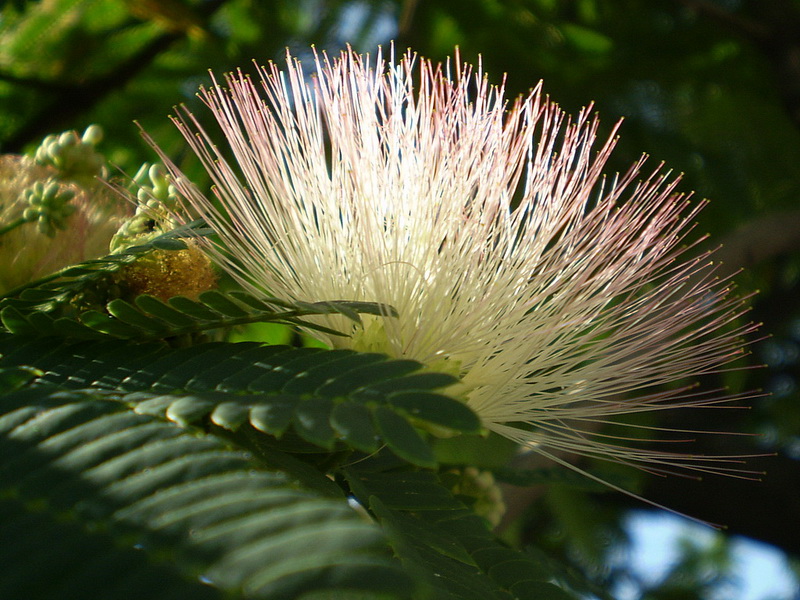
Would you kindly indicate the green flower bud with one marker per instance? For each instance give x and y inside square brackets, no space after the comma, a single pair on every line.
[479,489]
[155,196]
[77,220]
[49,205]
[74,157]
[93,135]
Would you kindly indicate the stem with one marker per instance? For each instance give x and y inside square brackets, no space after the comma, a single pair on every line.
[13,225]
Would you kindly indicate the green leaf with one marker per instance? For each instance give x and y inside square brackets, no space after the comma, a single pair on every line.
[127,313]
[417,381]
[15,322]
[163,311]
[113,504]
[81,564]
[65,327]
[103,323]
[353,423]
[222,304]
[424,535]
[14,378]
[312,421]
[169,244]
[443,575]
[353,380]
[512,571]
[230,415]
[402,438]
[444,544]
[149,318]
[407,490]
[193,309]
[275,416]
[185,410]
[312,374]
[540,590]
[274,389]
[278,371]
[437,409]
[339,307]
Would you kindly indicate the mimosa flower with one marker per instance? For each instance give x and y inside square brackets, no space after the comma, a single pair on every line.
[562,298]
[86,220]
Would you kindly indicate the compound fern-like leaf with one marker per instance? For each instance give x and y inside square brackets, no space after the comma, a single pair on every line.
[327,398]
[55,290]
[149,318]
[98,501]
[447,546]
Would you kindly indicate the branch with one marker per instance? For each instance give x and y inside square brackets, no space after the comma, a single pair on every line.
[41,85]
[73,100]
[758,241]
[748,29]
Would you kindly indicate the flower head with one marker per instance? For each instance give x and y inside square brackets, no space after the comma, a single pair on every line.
[49,222]
[560,297]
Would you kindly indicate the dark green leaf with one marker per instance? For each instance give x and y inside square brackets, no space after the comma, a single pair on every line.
[314,374]
[416,381]
[186,410]
[515,570]
[194,309]
[69,328]
[104,324]
[14,378]
[312,421]
[437,409]
[353,423]
[228,385]
[407,490]
[275,415]
[278,370]
[443,543]
[231,414]
[424,533]
[15,322]
[169,244]
[402,438]
[538,590]
[130,315]
[113,504]
[355,379]
[220,303]
[549,476]
[163,311]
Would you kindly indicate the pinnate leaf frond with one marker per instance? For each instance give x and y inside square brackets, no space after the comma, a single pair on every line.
[95,496]
[327,398]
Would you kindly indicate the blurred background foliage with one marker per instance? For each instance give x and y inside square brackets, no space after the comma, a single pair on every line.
[711,87]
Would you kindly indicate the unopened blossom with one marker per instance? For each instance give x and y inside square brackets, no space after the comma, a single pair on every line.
[48,222]
[562,298]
